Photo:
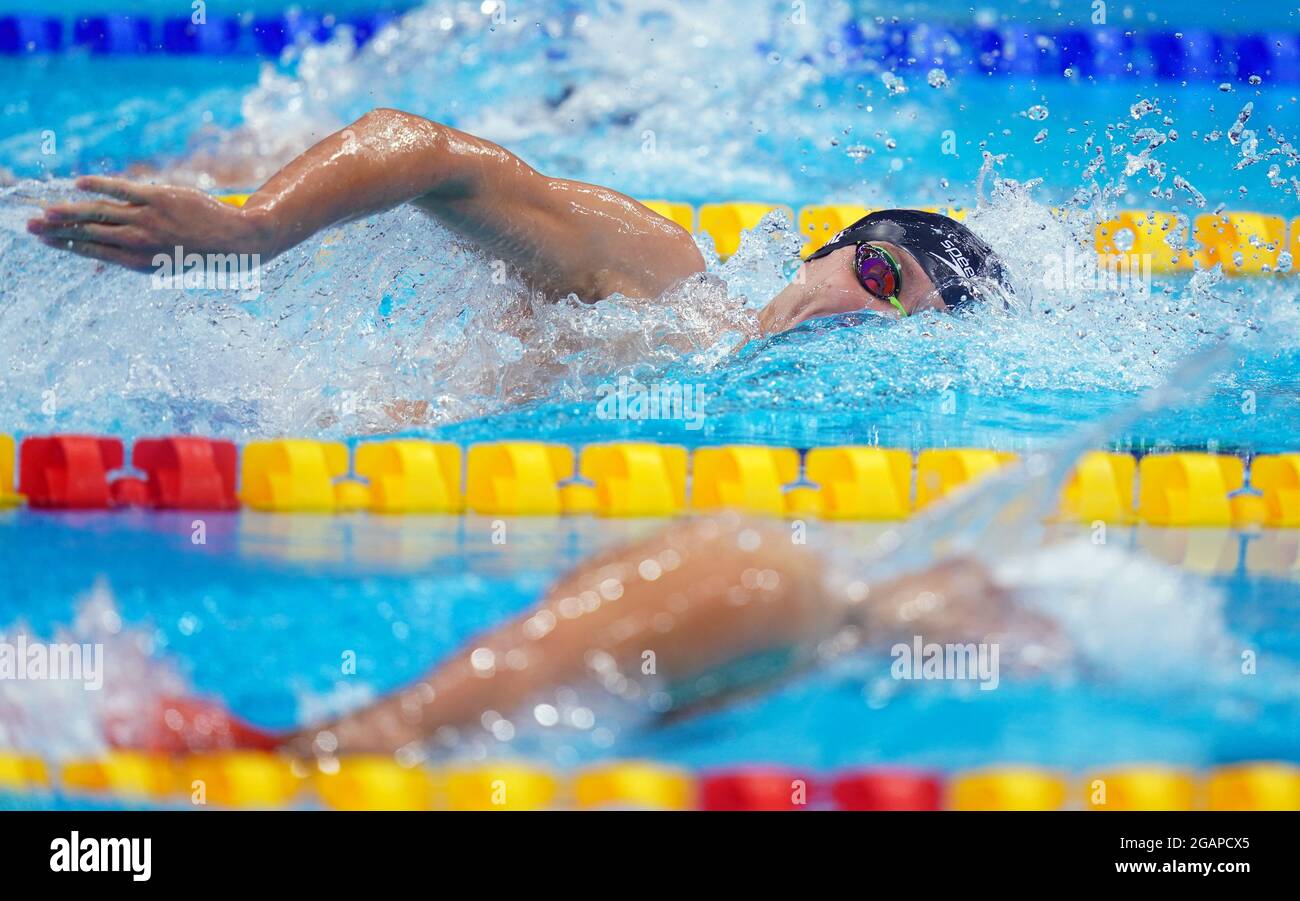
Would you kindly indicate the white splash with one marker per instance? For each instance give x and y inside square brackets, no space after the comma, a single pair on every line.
[60,719]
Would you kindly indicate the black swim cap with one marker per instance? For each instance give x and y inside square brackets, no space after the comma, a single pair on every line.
[949,252]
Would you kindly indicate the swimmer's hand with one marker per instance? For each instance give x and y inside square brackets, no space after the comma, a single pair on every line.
[142,221]
[959,601]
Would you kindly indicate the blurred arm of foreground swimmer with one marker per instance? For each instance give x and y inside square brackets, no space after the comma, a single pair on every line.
[700,594]
[562,236]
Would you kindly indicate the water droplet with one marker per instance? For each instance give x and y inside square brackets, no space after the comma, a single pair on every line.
[893,84]
[1142,108]
[1238,127]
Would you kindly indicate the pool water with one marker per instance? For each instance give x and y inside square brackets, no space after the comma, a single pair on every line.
[377,311]
[263,613]
[698,102]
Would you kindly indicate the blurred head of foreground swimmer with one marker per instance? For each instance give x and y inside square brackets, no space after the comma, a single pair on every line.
[899,261]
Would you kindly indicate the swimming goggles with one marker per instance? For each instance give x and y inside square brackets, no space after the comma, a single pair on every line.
[879,273]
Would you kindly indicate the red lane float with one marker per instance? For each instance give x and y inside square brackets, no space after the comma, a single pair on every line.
[66,472]
[186,473]
[755,788]
[63,472]
[887,789]
[129,492]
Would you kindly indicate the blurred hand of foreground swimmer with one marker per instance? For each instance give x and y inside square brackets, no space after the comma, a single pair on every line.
[958,600]
[143,221]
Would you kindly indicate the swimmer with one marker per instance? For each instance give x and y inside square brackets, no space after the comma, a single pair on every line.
[562,237]
[708,596]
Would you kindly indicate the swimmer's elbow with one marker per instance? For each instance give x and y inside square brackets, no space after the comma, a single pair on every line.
[387,121]
[449,164]
[417,148]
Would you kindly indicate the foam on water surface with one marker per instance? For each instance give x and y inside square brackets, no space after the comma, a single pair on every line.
[392,324]
[351,328]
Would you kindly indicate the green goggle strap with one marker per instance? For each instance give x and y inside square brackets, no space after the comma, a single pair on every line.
[898,304]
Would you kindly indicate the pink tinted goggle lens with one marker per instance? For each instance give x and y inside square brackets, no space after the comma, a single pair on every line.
[877,272]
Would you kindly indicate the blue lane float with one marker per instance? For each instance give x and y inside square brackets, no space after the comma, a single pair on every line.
[30,34]
[1095,53]
[1101,53]
[132,35]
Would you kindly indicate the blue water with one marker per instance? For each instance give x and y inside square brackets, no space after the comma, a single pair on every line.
[260,616]
[574,87]
[377,311]
[394,309]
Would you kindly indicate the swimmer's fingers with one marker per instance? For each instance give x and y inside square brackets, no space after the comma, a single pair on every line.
[105,211]
[121,188]
[127,236]
[131,259]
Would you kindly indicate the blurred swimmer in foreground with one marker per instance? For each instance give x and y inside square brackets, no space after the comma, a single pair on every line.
[562,237]
[722,604]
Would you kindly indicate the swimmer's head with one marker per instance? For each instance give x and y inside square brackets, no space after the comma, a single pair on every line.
[891,261]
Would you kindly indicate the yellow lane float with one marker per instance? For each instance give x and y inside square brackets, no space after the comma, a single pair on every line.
[292,475]
[517,477]
[751,478]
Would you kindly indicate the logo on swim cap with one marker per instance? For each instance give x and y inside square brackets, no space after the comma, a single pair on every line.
[960,264]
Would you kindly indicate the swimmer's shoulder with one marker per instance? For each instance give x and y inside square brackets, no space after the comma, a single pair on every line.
[633,250]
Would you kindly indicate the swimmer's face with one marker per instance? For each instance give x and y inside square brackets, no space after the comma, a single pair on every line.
[829,285]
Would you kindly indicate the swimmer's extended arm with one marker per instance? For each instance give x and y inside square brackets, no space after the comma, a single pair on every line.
[693,598]
[697,593]
[687,601]
[563,236]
